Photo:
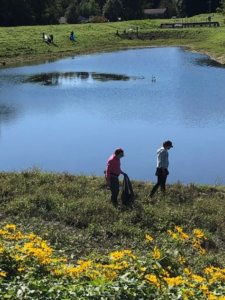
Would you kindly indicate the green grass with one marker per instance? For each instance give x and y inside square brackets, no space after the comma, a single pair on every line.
[24,44]
[75,215]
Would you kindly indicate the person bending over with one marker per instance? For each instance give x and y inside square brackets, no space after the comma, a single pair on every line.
[113,172]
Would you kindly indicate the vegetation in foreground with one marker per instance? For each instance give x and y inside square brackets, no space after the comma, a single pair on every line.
[173,249]
[24,43]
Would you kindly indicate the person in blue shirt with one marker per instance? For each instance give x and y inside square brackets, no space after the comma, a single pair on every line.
[72,36]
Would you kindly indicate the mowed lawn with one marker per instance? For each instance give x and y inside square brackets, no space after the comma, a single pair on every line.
[23,44]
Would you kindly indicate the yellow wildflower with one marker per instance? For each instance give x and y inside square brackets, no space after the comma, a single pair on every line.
[148,238]
[130,254]
[204,289]
[188,294]
[21,269]
[187,271]
[174,281]
[172,234]
[198,278]
[3,232]
[198,233]
[209,270]
[182,260]
[116,255]
[184,236]
[110,275]
[10,227]
[211,296]
[57,272]
[142,269]
[153,279]
[3,274]
[156,253]
[178,229]
[93,274]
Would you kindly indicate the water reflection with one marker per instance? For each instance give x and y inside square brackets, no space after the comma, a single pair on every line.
[65,119]
[7,113]
[205,61]
[57,78]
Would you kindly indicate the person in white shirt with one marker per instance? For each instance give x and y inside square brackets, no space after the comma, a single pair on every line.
[162,167]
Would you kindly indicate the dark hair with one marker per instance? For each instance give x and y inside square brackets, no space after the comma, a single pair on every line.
[118,151]
[167,144]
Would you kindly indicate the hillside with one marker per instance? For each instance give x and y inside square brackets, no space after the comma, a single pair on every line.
[60,238]
[74,213]
[24,44]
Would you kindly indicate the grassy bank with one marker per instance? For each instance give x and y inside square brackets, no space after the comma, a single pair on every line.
[24,44]
[74,213]
[60,238]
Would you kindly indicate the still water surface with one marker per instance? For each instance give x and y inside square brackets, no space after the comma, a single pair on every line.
[69,115]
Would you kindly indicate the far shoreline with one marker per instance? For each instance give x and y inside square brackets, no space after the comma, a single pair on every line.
[21,60]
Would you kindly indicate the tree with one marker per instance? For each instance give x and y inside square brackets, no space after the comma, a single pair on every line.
[89,8]
[52,12]
[132,9]
[221,7]
[72,12]
[180,8]
[113,9]
[16,12]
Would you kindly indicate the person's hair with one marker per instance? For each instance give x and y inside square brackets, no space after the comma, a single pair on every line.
[167,143]
[118,151]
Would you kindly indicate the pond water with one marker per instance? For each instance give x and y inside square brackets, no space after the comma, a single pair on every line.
[69,115]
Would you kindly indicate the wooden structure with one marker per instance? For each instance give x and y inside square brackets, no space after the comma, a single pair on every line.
[188,25]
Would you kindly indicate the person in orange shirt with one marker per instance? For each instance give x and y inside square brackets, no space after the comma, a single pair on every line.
[113,172]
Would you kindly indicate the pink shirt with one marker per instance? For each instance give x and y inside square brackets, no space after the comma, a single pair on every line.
[113,166]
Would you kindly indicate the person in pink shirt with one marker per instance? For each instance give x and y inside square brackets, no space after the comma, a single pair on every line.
[113,172]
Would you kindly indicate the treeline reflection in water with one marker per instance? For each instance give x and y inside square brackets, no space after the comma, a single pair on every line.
[58,78]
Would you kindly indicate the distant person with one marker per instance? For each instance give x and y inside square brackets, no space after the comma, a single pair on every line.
[162,167]
[44,37]
[72,36]
[113,172]
[50,38]
[47,38]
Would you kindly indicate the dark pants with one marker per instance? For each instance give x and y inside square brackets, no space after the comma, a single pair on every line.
[114,187]
[161,182]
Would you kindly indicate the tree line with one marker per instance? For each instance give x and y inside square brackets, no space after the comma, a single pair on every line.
[41,12]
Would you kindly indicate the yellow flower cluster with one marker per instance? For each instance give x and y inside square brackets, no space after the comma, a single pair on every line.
[28,251]
[117,255]
[153,279]
[195,239]
[179,234]
[156,253]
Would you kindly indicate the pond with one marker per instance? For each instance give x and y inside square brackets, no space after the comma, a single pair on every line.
[69,115]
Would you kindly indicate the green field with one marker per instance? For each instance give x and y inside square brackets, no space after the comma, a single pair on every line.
[24,44]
